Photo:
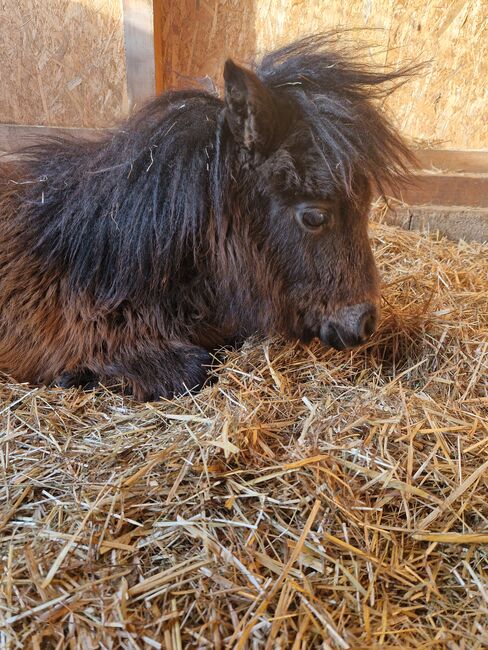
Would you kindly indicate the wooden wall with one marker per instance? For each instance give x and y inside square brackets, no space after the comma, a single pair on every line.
[196,36]
[62,62]
[447,107]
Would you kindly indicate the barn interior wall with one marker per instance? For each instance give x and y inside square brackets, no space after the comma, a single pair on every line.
[197,36]
[62,62]
[445,107]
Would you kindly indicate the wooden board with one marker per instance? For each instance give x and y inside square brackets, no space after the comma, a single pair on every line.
[15,136]
[448,106]
[448,189]
[196,36]
[139,50]
[454,160]
[62,62]
[454,222]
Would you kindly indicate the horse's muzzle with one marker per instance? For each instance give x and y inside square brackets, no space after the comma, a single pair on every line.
[350,326]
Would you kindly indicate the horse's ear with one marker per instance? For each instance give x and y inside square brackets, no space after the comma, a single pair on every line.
[250,108]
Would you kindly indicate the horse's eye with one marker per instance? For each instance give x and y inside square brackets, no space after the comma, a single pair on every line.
[313,220]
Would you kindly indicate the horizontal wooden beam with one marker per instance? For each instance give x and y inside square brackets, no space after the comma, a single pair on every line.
[16,136]
[469,190]
[450,160]
[454,222]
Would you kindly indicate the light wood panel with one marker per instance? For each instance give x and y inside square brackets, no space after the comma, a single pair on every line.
[62,62]
[196,36]
[447,107]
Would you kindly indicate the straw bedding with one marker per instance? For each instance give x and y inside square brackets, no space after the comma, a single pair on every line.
[309,499]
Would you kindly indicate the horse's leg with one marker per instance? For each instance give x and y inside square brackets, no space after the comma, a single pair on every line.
[81,377]
[154,372]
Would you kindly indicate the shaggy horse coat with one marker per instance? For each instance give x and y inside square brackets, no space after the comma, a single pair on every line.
[198,222]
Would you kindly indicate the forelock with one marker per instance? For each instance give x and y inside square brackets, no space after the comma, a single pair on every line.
[334,95]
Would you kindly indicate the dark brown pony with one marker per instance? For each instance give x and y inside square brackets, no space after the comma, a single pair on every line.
[198,222]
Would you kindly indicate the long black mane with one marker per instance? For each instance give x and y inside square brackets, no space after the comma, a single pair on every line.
[127,214]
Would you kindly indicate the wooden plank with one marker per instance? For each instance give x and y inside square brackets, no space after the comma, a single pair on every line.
[451,160]
[158,14]
[62,62]
[15,136]
[139,50]
[454,222]
[195,38]
[447,189]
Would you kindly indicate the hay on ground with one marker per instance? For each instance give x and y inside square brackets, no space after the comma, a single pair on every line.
[309,499]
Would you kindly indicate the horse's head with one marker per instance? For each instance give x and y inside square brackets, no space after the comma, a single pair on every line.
[309,150]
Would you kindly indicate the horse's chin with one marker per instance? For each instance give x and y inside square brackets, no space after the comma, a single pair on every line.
[307,338]
[305,335]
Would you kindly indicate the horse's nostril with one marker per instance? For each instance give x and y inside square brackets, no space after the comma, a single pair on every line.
[330,335]
[367,326]
[351,326]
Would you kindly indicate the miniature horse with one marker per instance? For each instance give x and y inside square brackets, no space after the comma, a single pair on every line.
[199,222]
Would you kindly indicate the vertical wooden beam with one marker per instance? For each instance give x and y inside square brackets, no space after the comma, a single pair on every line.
[158,44]
[139,50]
